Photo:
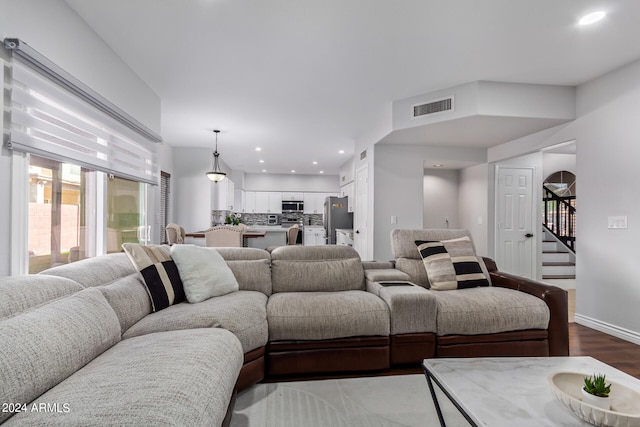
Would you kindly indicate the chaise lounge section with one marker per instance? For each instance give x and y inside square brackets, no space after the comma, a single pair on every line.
[514,316]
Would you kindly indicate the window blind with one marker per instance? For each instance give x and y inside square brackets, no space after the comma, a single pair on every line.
[165,190]
[49,121]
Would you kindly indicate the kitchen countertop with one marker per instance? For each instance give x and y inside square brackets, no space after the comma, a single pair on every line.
[267,228]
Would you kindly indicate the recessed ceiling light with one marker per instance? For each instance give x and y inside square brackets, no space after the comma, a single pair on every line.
[260,161]
[341,151]
[293,171]
[438,165]
[315,163]
[321,171]
[258,149]
[592,18]
[264,170]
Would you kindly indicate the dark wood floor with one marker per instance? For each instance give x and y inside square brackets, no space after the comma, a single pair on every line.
[613,351]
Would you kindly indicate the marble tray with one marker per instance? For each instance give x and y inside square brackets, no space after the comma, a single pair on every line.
[625,402]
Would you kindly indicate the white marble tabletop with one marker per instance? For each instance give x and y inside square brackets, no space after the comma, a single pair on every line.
[514,391]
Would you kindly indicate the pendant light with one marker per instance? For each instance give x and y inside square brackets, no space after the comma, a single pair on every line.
[216,174]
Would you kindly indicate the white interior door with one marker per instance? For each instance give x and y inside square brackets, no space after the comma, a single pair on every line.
[361,212]
[515,221]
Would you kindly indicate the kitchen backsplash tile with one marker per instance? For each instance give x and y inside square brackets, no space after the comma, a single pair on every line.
[218,217]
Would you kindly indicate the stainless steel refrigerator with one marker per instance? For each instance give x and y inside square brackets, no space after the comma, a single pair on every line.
[336,215]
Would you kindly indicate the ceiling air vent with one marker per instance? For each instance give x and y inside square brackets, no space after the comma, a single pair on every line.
[438,106]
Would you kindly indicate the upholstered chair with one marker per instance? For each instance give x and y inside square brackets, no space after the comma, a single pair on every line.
[175,234]
[223,236]
[292,234]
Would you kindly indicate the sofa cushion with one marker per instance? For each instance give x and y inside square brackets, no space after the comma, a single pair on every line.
[159,273]
[182,378]
[26,292]
[403,241]
[42,347]
[96,271]
[412,308]
[316,269]
[452,264]
[250,266]
[204,272]
[243,313]
[488,310]
[129,299]
[386,274]
[326,315]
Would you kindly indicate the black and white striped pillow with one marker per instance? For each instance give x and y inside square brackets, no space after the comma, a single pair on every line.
[159,273]
[452,264]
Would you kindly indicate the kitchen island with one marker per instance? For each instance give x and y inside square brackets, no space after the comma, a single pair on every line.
[197,237]
[274,235]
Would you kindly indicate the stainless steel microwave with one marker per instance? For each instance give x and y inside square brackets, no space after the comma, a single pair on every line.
[292,206]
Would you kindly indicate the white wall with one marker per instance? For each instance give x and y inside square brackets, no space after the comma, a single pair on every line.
[192,188]
[58,33]
[473,199]
[440,198]
[606,131]
[398,176]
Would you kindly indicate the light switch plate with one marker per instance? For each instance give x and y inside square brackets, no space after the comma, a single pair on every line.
[617,221]
[394,219]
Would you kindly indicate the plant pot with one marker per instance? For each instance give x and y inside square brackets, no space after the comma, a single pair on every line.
[597,401]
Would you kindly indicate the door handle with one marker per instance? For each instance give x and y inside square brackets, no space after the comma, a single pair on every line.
[357,231]
[528,235]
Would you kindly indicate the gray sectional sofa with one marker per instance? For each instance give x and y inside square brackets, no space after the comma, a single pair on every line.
[81,345]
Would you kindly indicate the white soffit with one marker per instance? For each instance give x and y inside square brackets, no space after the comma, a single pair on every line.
[484,114]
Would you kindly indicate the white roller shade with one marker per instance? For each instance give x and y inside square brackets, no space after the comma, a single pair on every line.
[49,121]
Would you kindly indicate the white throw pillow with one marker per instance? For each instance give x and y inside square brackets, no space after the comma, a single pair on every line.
[203,271]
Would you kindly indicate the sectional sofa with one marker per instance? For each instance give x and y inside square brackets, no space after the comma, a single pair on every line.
[81,345]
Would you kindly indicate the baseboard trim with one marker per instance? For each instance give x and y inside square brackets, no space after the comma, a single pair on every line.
[608,328]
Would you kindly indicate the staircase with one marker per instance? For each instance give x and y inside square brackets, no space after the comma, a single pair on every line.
[558,262]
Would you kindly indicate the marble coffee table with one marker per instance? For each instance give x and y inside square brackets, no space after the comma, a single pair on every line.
[510,391]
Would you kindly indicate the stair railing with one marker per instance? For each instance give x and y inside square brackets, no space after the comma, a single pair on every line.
[559,216]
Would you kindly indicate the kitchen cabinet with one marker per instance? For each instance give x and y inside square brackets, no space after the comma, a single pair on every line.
[314,236]
[249,202]
[288,196]
[268,202]
[239,200]
[314,203]
[222,195]
[348,190]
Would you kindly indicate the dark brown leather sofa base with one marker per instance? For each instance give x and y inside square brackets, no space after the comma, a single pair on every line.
[412,349]
[285,358]
[529,343]
[252,371]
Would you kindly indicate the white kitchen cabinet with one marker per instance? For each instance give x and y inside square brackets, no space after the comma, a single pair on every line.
[314,236]
[275,202]
[222,195]
[268,202]
[314,203]
[239,200]
[249,202]
[288,196]
[348,190]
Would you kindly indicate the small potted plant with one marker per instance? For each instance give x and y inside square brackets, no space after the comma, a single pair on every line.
[596,391]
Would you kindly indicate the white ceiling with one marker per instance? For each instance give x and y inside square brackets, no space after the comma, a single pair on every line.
[303,79]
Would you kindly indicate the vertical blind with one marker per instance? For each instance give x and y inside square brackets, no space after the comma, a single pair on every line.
[49,121]
[165,190]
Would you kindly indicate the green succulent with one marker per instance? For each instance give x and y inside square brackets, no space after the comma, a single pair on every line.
[597,385]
